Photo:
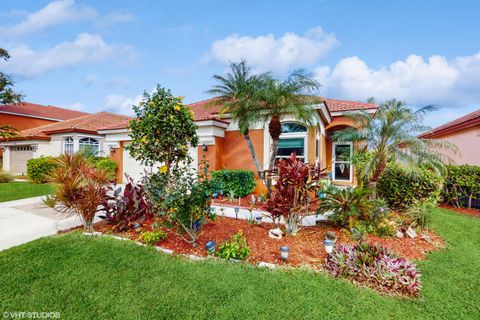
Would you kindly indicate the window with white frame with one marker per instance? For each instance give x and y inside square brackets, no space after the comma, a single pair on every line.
[342,161]
[68,146]
[293,139]
[89,145]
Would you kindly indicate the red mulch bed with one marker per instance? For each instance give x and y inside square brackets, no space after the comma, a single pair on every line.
[305,249]
[472,212]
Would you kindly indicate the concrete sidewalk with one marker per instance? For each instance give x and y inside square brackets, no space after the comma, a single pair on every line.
[24,220]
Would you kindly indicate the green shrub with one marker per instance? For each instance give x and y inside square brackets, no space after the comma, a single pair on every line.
[240,182]
[401,188]
[462,185]
[106,164]
[235,248]
[151,238]
[5,177]
[38,169]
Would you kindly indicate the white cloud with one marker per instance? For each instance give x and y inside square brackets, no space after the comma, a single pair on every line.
[85,49]
[121,104]
[115,18]
[415,80]
[266,52]
[54,13]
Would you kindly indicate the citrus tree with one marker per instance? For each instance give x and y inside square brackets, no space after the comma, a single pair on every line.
[162,132]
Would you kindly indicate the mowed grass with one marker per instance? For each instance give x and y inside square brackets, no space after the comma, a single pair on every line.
[21,190]
[102,278]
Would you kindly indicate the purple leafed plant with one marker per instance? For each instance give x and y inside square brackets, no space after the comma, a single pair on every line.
[375,266]
[124,209]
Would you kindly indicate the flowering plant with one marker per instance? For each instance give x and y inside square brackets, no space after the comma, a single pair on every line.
[375,266]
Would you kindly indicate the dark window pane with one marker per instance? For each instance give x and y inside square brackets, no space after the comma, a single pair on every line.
[293,127]
[342,152]
[342,171]
[287,146]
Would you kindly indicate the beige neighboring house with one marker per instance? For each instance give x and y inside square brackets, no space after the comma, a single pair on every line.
[463,132]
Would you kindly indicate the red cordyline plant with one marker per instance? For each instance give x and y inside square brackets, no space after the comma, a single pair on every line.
[81,188]
[294,191]
[376,267]
[124,208]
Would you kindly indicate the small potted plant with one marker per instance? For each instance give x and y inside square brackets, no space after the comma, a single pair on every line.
[329,241]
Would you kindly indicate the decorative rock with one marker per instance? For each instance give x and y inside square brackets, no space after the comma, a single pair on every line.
[399,234]
[195,257]
[411,233]
[118,238]
[97,234]
[268,265]
[167,251]
[275,233]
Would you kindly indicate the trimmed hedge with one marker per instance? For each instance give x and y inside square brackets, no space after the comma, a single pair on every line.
[401,188]
[241,182]
[5,177]
[462,185]
[38,169]
[106,164]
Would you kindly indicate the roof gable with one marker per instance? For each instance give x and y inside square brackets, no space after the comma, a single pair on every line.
[467,121]
[89,123]
[33,110]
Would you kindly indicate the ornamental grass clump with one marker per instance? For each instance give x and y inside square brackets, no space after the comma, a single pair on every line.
[376,267]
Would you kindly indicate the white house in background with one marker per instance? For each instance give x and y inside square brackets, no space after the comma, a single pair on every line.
[54,139]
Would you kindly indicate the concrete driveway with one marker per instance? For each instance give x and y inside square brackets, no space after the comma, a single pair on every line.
[22,221]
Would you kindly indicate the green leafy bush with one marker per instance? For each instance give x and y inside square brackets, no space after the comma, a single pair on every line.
[5,177]
[241,182]
[462,185]
[106,164]
[235,248]
[151,238]
[39,169]
[401,188]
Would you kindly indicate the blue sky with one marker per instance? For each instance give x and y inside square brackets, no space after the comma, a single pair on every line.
[101,55]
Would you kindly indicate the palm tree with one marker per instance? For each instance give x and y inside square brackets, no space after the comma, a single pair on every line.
[7,131]
[237,92]
[290,96]
[390,135]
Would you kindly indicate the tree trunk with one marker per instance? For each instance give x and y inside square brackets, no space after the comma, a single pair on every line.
[252,151]
[275,130]
[376,175]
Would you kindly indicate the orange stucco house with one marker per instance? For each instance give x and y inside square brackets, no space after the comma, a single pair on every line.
[464,133]
[225,148]
[25,115]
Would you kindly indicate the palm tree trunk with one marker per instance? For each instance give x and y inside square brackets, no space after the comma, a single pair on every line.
[271,164]
[376,175]
[252,151]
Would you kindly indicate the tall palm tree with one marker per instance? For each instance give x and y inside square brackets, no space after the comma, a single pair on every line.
[238,92]
[290,96]
[391,135]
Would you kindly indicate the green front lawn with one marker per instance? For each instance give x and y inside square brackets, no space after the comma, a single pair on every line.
[85,278]
[22,190]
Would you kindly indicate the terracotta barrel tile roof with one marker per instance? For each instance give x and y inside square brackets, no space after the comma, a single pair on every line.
[467,121]
[335,105]
[41,111]
[89,123]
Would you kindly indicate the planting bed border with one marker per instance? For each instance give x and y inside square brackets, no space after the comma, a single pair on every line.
[192,257]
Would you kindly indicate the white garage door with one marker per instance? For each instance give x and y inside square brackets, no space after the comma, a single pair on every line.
[135,170]
[132,167]
[19,157]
